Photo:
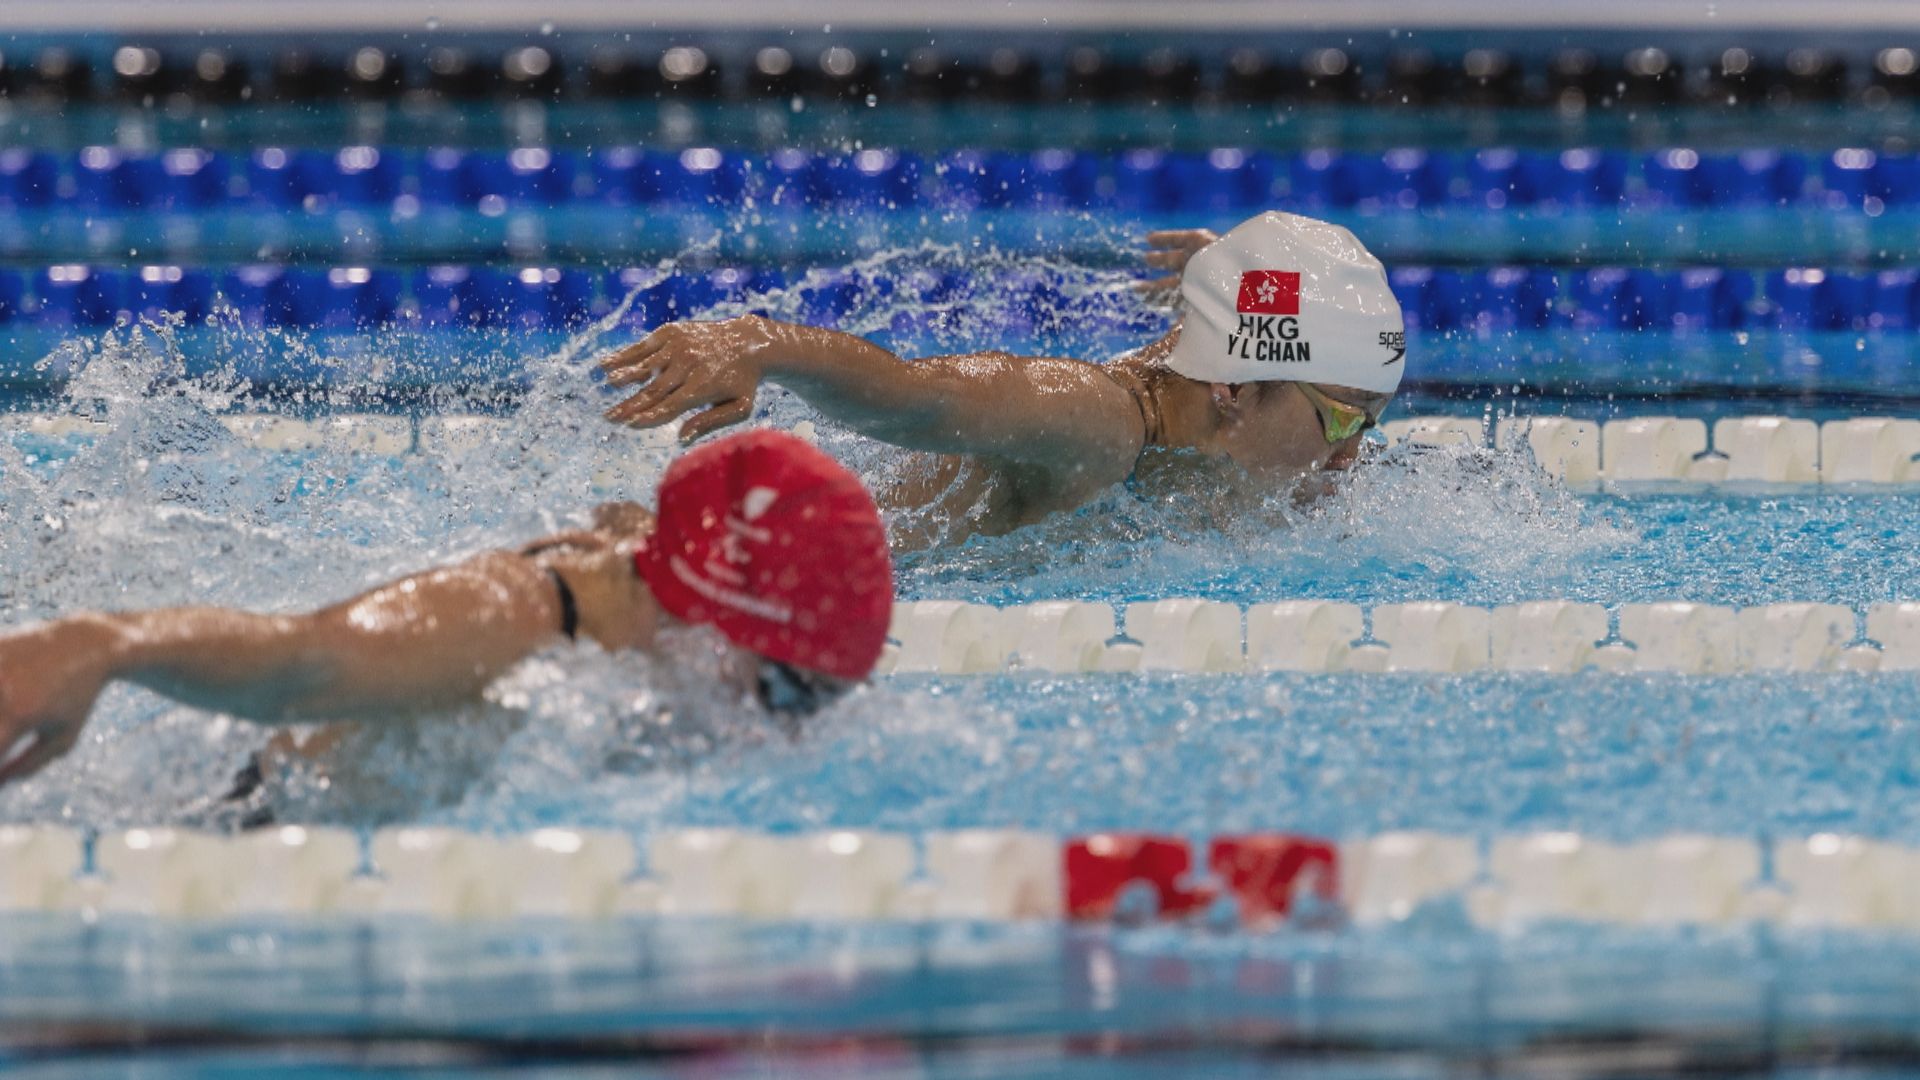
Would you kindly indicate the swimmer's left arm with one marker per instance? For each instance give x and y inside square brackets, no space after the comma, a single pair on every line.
[1065,417]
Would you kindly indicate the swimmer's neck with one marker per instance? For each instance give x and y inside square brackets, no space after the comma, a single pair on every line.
[1177,412]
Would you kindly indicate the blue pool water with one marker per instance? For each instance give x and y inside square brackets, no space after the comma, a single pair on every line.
[1626,284]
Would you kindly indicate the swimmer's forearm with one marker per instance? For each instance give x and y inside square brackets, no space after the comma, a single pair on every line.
[868,388]
[427,642]
[1033,409]
[212,658]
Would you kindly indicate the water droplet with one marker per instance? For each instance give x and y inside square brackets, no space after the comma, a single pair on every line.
[433,22]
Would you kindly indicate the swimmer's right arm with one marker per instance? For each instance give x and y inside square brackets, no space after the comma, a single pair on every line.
[1059,414]
[421,643]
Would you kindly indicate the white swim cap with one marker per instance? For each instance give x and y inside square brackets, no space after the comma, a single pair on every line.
[1283,297]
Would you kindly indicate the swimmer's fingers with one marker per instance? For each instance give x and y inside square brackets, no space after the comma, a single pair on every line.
[640,350]
[649,398]
[1159,290]
[636,372]
[661,410]
[725,414]
[1187,240]
[1168,260]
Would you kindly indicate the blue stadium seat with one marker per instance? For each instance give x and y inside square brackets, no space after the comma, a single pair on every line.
[356,175]
[275,176]
[439,295]
[27,178]
[342,298]
[1586,178]
[1411,178]
[1893,299]
[172,290]
[73,295]
[259,295]
[1224,180]
[1140,183]
[486,298]
[1613,298]
[1512,298]
[464,296]
[1045,179]
[107,179]
[1710,298]
[442,177]
[1847,175]
[1500,177]
[872,178]
[13,295]
[794,178]
[701,176]
[1310,179]
[1412,286]
[543,296]
[623,175]
[1752,178]
[1357,179]
[1675,177]
[1812,299]
[1841,301]
[661,299]
[190,180]
[527,176]
[1896,179]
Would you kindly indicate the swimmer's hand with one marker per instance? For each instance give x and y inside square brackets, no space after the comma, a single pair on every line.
[1169,250]
[706,371]
[49,678]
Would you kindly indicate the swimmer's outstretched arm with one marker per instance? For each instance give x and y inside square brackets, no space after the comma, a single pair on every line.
[1065,416]
[424,642]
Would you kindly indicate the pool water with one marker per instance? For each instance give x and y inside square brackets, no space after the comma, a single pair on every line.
[163,505]
[579,738]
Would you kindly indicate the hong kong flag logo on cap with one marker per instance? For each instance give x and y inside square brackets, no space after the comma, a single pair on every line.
[1269,292]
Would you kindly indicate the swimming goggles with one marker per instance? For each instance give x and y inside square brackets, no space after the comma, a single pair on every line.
[789,692]
[1340,420]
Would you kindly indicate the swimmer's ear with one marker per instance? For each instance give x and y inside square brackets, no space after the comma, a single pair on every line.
[1226,397]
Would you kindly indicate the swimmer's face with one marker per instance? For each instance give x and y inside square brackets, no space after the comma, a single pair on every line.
[783,690]
[1269,428]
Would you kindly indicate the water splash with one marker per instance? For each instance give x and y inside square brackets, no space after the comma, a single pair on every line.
[163,506]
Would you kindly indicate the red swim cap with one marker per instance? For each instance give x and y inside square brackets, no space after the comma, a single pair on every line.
[777,546]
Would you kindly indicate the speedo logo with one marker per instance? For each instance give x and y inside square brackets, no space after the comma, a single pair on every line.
[1397,341]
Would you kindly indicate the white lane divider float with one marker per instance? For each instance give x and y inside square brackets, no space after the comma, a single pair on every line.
[945,637]
[844,875]
[1638,450]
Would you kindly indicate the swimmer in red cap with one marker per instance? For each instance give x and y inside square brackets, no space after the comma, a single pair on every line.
[759,536]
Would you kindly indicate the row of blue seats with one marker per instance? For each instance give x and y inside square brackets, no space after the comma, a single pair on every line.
[1147,181]
[1435,300]
[1696,298]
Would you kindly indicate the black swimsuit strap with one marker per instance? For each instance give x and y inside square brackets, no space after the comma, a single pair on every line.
[569,610]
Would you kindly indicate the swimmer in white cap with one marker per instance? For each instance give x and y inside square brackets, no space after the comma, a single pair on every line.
[1289,347]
